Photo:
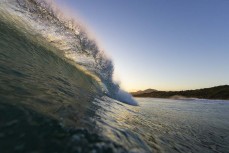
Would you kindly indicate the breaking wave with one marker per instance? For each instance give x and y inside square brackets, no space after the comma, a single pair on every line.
[41,22]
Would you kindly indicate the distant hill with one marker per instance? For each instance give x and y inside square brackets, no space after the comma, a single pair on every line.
[218,92]
[143,91]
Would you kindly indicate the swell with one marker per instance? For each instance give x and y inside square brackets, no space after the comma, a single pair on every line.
[43,24]
[65,38]
[34,77]
[42,93]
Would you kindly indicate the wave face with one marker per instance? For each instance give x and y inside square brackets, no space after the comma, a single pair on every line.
[67,38]
[56,91]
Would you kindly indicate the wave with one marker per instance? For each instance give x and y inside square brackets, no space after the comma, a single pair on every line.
[44,24]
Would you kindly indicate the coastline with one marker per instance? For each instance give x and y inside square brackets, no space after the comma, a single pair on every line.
[213,93]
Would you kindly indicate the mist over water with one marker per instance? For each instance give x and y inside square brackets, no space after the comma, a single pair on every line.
[125,97]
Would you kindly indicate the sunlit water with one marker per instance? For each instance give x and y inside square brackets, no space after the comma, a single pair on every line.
[179,125]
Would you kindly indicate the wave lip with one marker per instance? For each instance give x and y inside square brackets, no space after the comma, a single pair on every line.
[69,39]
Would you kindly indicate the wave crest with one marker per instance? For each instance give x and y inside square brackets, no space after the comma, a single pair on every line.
[44,22]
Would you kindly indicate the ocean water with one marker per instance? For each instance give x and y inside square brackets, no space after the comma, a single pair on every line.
[57,95]
[191,125]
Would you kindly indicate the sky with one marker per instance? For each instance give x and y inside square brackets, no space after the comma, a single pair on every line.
[160,44]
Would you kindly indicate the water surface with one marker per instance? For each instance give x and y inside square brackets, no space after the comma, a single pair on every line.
[180,125]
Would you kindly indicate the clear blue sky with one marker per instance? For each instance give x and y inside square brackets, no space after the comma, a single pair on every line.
[161,44]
